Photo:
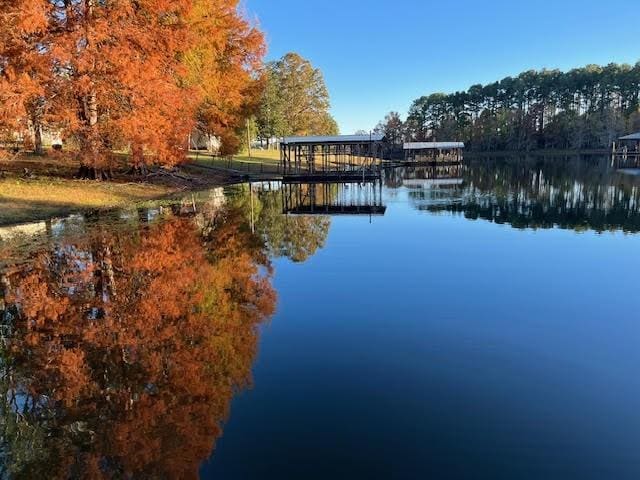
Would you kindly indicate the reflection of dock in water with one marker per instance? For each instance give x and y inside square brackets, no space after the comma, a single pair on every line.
[433,185]
[427,177]
[427,183]
[333,198]
[535,193]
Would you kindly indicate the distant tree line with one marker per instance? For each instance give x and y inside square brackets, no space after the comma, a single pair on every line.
[295,100]
[584,108]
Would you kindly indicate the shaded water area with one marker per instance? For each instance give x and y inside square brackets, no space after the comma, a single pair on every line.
[452,322]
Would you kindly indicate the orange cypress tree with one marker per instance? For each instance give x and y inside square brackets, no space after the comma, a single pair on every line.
[117,82]
[222,67]
[23,65]
[128,74]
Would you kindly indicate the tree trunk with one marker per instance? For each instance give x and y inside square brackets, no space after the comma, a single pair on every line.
[138,166]
[37,138]
[94,165]
[87,172]
[35,111]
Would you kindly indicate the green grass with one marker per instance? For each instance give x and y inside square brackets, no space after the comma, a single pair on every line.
[54,192]
[260,161]
[23,200]
[265,155]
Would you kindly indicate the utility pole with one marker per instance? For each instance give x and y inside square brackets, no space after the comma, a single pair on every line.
[248,139]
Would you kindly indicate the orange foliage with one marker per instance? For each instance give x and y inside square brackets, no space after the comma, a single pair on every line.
[122,74]
[122,83]
[222,66]
[22,67]
[135,343]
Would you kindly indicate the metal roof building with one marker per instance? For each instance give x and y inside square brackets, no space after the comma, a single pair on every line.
[633,136]
[626,152]
[331,157]
[433,145]
[433,152]
[336,139]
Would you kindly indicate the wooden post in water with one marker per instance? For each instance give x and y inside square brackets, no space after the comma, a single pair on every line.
[251,195]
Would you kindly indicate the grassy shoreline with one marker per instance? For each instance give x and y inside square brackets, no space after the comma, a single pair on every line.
[36,188]
[26,200]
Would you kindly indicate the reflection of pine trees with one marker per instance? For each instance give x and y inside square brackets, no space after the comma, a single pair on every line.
[570,193]
[125,346]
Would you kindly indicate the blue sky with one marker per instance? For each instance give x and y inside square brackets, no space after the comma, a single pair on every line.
[379,55]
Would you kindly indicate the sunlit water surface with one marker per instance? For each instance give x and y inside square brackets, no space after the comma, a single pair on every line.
[473,322]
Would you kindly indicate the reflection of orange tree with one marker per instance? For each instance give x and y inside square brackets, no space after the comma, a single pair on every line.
[127,351]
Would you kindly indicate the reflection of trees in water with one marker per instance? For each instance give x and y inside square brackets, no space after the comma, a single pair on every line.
[574,193]
[122,347]
[296,237]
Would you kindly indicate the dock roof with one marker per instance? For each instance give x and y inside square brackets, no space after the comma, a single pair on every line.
[633,136]
[432,145]
[337,139]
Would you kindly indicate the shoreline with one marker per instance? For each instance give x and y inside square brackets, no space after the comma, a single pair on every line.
[40,192]
[534,153]
[35,188]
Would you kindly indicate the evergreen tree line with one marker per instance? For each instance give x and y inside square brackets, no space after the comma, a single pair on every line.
[584,108]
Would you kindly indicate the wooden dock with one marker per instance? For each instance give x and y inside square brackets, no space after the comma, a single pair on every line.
[332,177]
[433,152]
[626,152]
[342,158]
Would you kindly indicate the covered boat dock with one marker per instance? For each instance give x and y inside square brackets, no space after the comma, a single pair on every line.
[626,152]
[629,144]
[433,152]
[331,158]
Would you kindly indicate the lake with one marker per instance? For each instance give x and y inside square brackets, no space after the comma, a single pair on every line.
[479,321]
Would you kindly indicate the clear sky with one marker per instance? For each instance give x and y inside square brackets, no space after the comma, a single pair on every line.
[380,55]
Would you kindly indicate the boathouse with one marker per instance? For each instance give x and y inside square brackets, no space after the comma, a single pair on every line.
[331,158]
[629,144]
[626,152]
[433,152]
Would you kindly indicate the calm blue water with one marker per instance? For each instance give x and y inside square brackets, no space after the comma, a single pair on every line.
[429,345]
[486,326]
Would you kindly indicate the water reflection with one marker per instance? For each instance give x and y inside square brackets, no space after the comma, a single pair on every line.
[579,193]
[125,335]
[331,198]
[124,339]
[295,237]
